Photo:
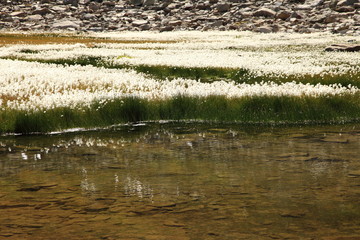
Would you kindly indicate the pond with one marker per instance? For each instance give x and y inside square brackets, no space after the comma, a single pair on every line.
[182,181]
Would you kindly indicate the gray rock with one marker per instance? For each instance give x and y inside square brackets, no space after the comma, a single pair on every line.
[136,2]
[41,11]
[345,9]
[222,7]
[264,12]
[18,14]
[34,18]
[65,24]
[138,23]
[72,2]
[175,23]
[94,6]
[347,2]
[264,29]
[148,2]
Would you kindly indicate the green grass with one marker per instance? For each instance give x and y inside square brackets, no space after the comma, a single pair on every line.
[208,74]
[246,110]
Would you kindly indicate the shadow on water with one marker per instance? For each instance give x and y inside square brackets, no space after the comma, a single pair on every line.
[182,181]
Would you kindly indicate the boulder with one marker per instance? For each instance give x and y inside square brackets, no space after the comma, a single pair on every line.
[222,7]
[65,24]
[138,23]
[347,2]
[283,15]
[148,2]
[264,12]
[136,2]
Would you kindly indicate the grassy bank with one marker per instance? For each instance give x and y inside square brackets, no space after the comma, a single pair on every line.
[254,110]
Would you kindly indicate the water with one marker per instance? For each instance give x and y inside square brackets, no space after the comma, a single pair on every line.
[182,181]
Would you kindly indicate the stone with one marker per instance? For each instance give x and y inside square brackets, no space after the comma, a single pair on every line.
[343,48]
[175,23]
[264,29]
[72,2]
[264,12]
[148,2]
[331,18]
[347,2]
[18,14]
[136,2]
[109,4]
[34,18]
[138,23]
[223,7]
[94,6]
[41,11]
[345,9]
[166,28]
[65,24]
[283,15]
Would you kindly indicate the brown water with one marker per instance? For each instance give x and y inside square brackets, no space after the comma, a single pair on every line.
[182,181]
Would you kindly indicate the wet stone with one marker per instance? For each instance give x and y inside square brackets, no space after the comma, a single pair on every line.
[292,214]
[7,205]
[96,207]
[171,223]
[354,173]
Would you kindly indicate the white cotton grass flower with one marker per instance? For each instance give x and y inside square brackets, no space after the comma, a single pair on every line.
[46,86]
[276,54]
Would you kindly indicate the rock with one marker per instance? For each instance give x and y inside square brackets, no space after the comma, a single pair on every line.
[343,48]
[345,9]
[166,28]
[175,23]
[72,2]
[264,29]
[148,2]
[96,207]
[222,7]
[136,2]
[34,18]
[65,24]
[94,6]
[18,14]
[331,18]
[41,11]
[58,8]
[109,4]
[138,23]
[354,173]
[264,12]
[283,15]
[347,2]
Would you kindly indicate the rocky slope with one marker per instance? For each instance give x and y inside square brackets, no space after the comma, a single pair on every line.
[338,16]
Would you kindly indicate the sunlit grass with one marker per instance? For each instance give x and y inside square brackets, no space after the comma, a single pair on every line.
[247,110]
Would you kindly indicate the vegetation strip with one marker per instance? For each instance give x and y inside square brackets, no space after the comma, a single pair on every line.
[247,110]
[205,74]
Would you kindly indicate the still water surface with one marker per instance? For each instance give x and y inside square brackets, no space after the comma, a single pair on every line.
[182,181]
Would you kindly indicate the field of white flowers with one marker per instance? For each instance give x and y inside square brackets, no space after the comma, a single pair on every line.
[156,67]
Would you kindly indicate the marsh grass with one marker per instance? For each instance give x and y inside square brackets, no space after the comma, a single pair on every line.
[246,110]
[206,74]
[58,38]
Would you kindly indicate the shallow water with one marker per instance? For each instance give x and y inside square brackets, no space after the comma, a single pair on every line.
[182,181]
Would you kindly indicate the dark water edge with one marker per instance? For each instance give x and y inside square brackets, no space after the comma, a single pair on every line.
[182,181]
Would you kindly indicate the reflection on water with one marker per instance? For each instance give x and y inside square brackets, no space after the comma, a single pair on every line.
[182,181]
